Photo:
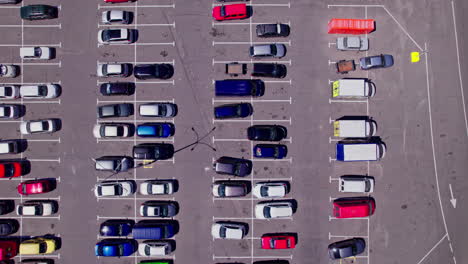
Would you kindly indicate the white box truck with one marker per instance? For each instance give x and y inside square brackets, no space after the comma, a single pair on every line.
[351,88]
[356,151]
[354,128]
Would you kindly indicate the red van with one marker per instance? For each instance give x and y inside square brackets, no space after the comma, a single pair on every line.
[353,207]
[8,249]
[227,12]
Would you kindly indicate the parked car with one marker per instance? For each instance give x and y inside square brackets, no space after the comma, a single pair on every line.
[229,12]
[115,110]
[274,209]
[158,208]
[356,184]
[157,187]
[353,207]
[117,88]
[346,248]
[114,163]
[267,133]
[114,188]
[6,206]
[229,230]
[272,70]
[116,16]
[233,166]
[9,92]
[154,229]
[37,208]
[155,248]
[40,126]
[115,247]
[225,188]
[38,12]
[240,87]
[274,151]
[11,146]
[239,110]
[4,2]
[272,30]
[8,250]
[12,110]
[116,227]
[117,36]
[276,189]
[114,69]
[153,151]
[113,130]
[42,91]
[156,130]
[8,226]
[352,43]
[153,71]
[278,241]
[267,50]
[35,186]
[37,245]
[118,1]
[10,169]
[378,61]
[9,70]
[37,261]
[158,110]
[37,53]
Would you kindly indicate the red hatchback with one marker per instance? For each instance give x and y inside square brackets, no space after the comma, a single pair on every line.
[278,241]
[10,169]
[353,207]
[34,187]
[227,12]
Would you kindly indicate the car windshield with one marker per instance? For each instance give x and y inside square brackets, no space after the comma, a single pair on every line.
[37,52]
[266,211]
[120,131]
[6,111]
[38,210]
[276,152]
[8,91]
[111,34]
[238,168]
[42,247]
[121,250]
[118,190]
[9,169]
[223,11]
[273,49]
[109,16]
[272,243]
[222,190]
[162,110]
[222,232]
[23,188]
[264,191]
[367,186]
[3,69]
[42,90]
[45,125]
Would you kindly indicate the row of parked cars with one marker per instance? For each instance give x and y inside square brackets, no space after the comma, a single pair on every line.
[241,167]
[11,244]
[153,237]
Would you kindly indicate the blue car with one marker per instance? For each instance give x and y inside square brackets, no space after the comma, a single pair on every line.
[115,247]
[116,227]
[159,130]
[233,111]
[274,151]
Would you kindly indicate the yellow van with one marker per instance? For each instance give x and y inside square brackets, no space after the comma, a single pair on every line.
[38,245]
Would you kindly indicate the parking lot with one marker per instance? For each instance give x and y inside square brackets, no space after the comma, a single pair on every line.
[419,109]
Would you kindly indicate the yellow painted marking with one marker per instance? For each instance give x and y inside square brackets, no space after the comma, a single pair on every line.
[147,162]
[336,128]
[336,90]
[415,56]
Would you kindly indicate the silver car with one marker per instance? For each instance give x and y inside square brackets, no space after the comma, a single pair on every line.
[267,50]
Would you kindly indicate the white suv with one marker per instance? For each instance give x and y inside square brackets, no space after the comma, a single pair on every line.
[41,91]
[114,188]
[274,209]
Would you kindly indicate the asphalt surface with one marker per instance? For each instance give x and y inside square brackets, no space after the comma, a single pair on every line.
[418,108]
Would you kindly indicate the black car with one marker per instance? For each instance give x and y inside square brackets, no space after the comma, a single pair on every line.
[276,261]
[37,261]
[153,71]
[272,30]
[267,133]
[8,226]
[238,110]
[116,227]
[38,12]
[6,206]
[346,248]
[233,166]
[115,110]
[153,151]
[273,70]
[118,88]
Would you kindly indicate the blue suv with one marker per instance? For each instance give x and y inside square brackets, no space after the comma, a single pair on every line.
[274,151]
[159,130]
[115,247]
[233,110]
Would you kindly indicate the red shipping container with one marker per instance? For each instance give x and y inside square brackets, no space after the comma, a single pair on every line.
[350,26]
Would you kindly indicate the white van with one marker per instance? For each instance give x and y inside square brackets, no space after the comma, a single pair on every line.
[356,184]
[350,88]
[354,128]
[357,151]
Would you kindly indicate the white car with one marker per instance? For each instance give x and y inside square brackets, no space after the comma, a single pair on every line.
[116,16]
[356,184]
[39,208]
[155,248]
[352,43]
[8,70]
[9,92]
[157,187]
[116,36]
[228,230]
[11,146]
[39,126]
[270,189]
[11,110]
[41,91]
[114,188]
[158,109]
[110,130]
[37,53]
[274,209]
[114,69]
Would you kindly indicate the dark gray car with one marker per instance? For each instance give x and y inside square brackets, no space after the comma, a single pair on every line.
[346,248]
[115,110]
[114,163]
[8,226]
[272,30]
[379,61]
[233,166]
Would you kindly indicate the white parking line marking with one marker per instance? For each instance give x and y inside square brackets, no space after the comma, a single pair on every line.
[248,42]
[31,45]
[43,140]
[240,139]
[35,102]
[245,23]
[155,82]
[272,5]
[38,256]
[134,101]
[330,236]
[30,217]
[134,121]
[253,100]
[141,62]
[46,160]
[143,160]
[354,218]
[132,198]
[250,218]
[31,26]
[253,61]
[250,121]
[10,121]
[432,249]
[273,160]
[140,44]
[139,25]
[346,101]
[255,257]
[137,140]
[20,198]
[328,6]
[40,63]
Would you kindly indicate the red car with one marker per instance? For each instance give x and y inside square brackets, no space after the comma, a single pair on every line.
[278,241]
[227,12]
[118,1]
[8,249]
[10,169]
[353,207]
[34,187]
